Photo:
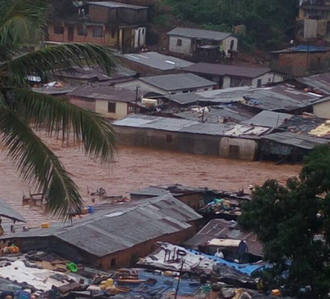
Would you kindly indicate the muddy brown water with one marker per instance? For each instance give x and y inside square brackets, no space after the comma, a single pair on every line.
[134,168]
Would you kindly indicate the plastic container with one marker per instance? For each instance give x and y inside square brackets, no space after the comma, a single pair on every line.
[45,225]
[276,292]
[72,267]
[90,209]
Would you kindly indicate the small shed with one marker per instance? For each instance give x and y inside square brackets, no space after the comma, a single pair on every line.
[201,45]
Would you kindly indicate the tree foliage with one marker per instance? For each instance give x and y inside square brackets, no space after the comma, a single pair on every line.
[22,111]
[269,22]
[293,223]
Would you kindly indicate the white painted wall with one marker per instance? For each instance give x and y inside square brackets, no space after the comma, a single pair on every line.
[247,148]
[101,107]
[226,43]
[226,82]
[185,48]
[140,37]
[322,110]
[268,78]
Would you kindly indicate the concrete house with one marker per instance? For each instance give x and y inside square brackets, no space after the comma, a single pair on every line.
[170,84]
[190,136]
[313,19]
[201,45]
[107,23]
[233,76]
[301,60]
[111,102]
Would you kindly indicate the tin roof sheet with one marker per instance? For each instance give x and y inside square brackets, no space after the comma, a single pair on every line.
[199,33]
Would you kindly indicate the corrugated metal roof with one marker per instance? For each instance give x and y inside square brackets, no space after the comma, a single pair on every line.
[280,98]
[105,92]
[111,4]
[222,229]
[320,82]
[189,126]
[301,141]
[122,228]
[227,70]
[268,119]
[174,82]
[158,61]
[172,124]
[8,212]
[199,33]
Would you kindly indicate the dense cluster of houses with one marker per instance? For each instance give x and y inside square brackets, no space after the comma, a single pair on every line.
[193,97]
[156,242]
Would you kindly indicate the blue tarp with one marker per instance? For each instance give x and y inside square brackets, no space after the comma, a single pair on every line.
[243,268]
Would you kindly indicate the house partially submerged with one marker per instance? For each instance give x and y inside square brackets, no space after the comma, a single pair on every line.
[115,236]
[153,63]
[170,84]
[229,141]
[301,60]
[233,76]
[288,146]
[107,23]
[109,101]
[201,45]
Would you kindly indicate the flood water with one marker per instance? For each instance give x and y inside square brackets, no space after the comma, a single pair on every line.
[134,168]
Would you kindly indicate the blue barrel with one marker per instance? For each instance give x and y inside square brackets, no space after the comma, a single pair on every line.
[90,209]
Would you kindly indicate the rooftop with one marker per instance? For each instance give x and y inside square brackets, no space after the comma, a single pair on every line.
[189,126]
[112,4]
[268,119]
[217,96]
[158,61]
[320,83]
[199,34]
[303,48]
[227,70]
[292,139]
[282,97]
[8,212]
[105,92]
[122,226]
[175,82]
[222,229]
[94,73]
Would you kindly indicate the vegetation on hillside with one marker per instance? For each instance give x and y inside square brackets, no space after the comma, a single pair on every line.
[293,223]
[269,22]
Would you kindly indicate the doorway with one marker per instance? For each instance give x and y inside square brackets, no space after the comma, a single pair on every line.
[71,33]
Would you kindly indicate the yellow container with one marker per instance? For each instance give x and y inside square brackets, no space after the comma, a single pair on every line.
[45,225]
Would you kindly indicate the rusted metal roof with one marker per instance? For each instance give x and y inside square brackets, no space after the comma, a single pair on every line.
[222,229]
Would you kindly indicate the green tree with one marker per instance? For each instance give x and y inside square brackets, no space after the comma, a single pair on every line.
[293,223]
[23,111]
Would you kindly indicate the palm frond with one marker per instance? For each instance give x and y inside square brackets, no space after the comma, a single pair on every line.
[46,61]
[60,116]
[38,165]
[22,21]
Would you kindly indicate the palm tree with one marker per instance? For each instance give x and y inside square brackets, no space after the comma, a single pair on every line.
[23,111]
